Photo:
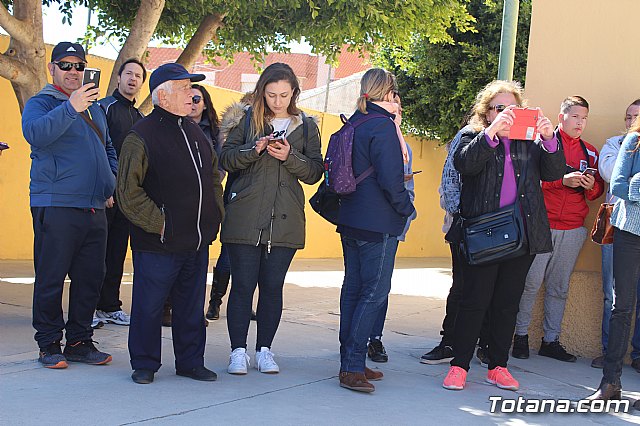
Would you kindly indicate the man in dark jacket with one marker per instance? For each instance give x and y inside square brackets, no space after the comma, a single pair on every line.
[72,180]
[169,188]
[121,116]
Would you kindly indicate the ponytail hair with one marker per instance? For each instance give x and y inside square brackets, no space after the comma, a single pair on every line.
[376,83]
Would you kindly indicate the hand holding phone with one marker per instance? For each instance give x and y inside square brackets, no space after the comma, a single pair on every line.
[272,142]
[589,171]
[525,124]
[91,75]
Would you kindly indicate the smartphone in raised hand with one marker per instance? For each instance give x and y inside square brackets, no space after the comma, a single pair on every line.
[91,75]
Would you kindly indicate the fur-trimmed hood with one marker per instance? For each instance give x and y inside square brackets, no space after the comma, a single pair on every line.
[235,112]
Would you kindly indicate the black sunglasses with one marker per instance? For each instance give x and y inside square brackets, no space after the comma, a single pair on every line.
[66,66]
[196,99]
[501,107]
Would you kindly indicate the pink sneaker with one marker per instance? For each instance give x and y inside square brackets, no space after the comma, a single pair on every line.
[455,379]
[501,377]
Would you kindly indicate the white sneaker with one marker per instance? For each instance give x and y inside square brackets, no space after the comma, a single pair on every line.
[117,317]
[96,322]
[265,363]
[238,361]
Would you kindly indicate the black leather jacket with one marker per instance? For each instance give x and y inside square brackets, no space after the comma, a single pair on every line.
[481,168]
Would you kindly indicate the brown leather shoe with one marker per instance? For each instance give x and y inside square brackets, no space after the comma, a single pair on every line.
[605,392]
[356,382]
[373,375]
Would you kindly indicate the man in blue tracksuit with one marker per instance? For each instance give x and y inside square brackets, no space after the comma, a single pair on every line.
[73,172]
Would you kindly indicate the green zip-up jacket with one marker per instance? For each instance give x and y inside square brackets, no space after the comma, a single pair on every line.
[266,201]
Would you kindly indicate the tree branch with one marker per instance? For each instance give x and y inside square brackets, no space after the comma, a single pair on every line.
[14,26]
[14,70]
[205,32]
[142,29]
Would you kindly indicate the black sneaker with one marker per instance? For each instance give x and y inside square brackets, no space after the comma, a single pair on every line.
[376,351]
[520,346]
[438,355]
[556,351]
[213,311]
[51,356]
[85,351]
[482,355]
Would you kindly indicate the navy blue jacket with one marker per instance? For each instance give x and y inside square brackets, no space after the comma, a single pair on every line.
[381,202]
[70,165]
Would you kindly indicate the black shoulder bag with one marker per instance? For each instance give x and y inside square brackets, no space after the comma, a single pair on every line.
[499,235]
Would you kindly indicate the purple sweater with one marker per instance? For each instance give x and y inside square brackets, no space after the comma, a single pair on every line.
[509,184]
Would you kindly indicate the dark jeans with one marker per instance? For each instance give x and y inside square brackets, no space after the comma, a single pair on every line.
[495,289]
[117,242]
[626,272]
[157,275]
[368,268]
[608,285]
[67,241]
[223,264]
[251,266]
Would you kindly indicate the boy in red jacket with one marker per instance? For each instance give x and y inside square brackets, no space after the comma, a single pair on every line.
[565,200]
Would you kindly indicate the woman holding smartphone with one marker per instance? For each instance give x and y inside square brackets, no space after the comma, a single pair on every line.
[625,184]
[491,166]
[264,223]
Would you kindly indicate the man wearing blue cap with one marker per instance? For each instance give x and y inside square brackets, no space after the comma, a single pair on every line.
[72,181]
[169,188]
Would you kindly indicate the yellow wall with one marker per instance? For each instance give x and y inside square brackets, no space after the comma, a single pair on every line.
[584,47]
[593,58]
[16,234]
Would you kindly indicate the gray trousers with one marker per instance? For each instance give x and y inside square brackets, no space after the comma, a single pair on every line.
[555,269]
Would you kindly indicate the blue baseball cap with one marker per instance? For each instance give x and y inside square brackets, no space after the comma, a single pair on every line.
[173,71]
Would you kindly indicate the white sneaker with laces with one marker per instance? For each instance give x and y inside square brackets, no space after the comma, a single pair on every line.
[265,363]
[238,361]
[117,317]
[96,322]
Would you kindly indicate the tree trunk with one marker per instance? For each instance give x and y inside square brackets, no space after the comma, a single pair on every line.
[24,62]
[142,29]
[206,32]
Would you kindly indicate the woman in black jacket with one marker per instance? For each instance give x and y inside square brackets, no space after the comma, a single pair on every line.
[490,165]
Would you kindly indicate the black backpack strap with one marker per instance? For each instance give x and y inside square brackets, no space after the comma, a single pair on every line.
[247,123]
[586,152]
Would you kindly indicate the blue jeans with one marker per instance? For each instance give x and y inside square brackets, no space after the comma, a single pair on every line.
[378,325]
[250,266]
[626,271]
[607,290]
[368,268]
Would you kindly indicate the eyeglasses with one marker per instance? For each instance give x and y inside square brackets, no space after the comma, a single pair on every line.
[196,99]
[66,66]
[500,107]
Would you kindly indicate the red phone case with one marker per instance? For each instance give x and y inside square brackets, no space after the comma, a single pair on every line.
[524,126]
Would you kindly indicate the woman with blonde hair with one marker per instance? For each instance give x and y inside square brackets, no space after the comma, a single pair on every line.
[264,223]
[369,223]
[499,173]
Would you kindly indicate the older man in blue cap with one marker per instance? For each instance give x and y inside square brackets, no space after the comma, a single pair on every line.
[170,190]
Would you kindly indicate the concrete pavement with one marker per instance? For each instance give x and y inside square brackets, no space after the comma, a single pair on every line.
[306,391]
